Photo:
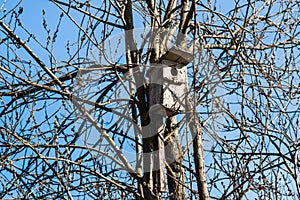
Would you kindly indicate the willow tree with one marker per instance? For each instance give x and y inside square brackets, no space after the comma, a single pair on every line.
[149,99]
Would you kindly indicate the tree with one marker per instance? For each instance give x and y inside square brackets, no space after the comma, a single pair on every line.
[79,93]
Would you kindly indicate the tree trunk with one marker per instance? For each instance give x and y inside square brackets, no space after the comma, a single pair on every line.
[196,130]
[174,169]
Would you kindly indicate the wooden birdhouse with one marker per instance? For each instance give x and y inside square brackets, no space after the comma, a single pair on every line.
[168,80]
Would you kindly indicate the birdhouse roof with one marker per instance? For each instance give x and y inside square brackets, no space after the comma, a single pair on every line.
[178,55]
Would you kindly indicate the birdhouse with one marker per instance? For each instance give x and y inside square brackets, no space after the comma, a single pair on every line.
[168,80]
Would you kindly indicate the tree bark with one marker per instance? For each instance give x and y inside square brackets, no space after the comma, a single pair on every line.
[196,130]
[174,169]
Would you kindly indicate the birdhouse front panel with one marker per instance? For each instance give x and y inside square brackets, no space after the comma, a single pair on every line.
[174,88]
